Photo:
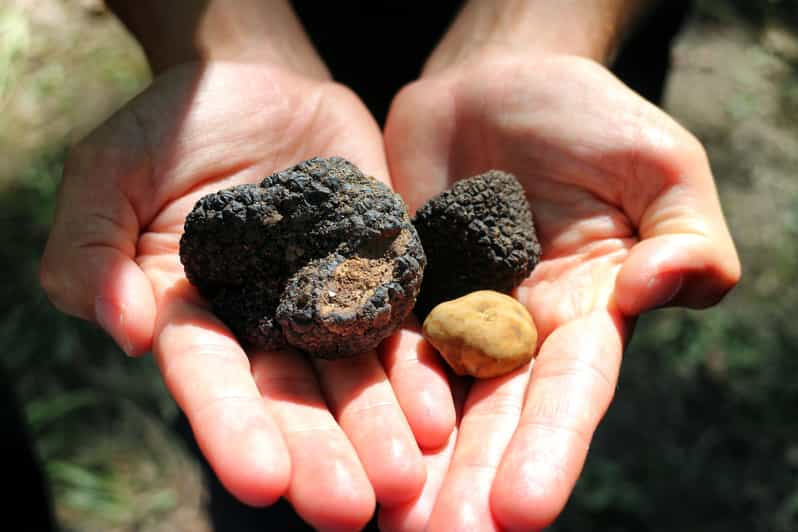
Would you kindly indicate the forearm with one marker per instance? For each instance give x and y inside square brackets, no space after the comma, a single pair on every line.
[589,28]
[178,31]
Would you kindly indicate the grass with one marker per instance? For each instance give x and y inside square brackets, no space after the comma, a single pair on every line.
[100,420]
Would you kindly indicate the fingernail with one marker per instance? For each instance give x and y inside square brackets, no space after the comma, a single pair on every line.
[112,319]
[662,288]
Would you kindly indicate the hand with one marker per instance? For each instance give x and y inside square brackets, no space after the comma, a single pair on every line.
[329,436]
[629,219]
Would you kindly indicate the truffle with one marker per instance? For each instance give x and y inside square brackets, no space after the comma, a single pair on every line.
[483,334]
[317,256]
[478,235]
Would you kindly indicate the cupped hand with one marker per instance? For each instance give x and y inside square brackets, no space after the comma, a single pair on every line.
[629,219]
[329,436]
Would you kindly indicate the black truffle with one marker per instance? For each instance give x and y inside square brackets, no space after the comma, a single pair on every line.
[478,235]
[318,256]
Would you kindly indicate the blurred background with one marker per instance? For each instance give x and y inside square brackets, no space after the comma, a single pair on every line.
[703,432]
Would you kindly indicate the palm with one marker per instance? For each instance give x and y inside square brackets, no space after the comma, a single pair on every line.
[332,437]
[209,127]
[600,167]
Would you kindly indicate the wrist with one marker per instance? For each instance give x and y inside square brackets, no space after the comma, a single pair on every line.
[247,31]
[587,28]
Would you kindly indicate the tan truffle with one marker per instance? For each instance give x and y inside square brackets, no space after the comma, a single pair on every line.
[484,333]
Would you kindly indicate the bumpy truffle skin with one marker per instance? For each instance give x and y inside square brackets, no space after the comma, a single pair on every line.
[317,256]
[478,235]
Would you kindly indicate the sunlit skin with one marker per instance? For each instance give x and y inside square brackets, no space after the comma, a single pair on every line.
[332,437]
[629,220]
[624,202]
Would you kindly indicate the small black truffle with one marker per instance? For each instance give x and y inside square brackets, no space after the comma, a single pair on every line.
[478,235]
[318,257]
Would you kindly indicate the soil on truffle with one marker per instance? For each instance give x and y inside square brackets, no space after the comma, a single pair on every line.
[478,235]
[353,282]
[317,256]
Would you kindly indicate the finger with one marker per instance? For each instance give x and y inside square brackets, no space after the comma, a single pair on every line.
[489,420]
[630,154]
[328,487]
[691,270]
[420,385]
[572,384]
[359,394]
[88,268]
[686,255]
[414,515]
[209,376]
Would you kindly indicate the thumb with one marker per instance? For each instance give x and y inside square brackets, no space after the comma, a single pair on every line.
[685,256]
[88,267]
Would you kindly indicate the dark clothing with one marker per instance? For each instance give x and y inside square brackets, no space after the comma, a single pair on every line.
[377,47]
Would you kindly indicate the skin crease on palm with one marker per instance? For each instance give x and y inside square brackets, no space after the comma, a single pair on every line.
[263,422]
[628,217]
[629,220]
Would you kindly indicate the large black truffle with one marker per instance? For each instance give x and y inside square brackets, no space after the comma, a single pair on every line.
[318,256]
[478,235]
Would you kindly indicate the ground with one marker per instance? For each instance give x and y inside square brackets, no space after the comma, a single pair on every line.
[700,436]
